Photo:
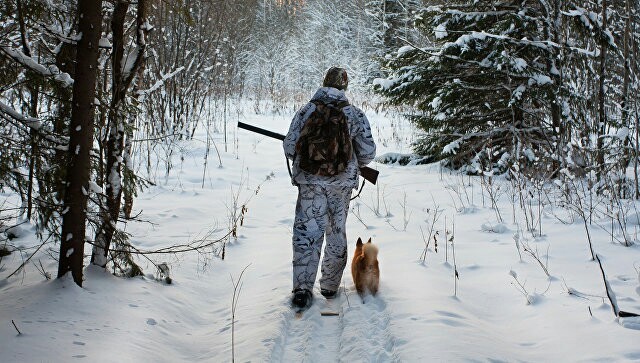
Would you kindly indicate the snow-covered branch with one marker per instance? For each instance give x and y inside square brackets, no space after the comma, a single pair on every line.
[466,37]
[31,122]
[159,83]
[9,113]
[50,71]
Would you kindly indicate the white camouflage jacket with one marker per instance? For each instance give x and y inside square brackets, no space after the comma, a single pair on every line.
[363,145]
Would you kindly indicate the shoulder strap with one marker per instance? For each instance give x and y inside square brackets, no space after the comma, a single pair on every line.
[360,190]
[339,104]
[342,104]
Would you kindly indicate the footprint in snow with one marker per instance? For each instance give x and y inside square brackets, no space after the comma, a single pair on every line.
[152,321]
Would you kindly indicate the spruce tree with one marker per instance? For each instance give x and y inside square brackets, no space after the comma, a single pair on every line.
[74,217]
[483,90]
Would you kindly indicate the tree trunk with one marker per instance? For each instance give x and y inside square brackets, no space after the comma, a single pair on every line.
[602,117]
[33,110]
[626,79]
[116,128]
[109,213]
[74,217]
[554,64]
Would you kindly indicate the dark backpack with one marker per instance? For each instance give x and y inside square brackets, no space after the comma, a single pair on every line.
[324,146]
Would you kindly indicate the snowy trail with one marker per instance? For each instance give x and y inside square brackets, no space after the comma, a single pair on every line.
[367,335]
[309,338]
[360,333]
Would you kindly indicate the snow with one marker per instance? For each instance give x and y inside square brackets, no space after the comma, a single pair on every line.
[540,79]
[16,231]
[465,39]
[622,133]
[384,83]
[494,228]
[517,93]
[95,188]
[451,147]
[415,318]
[436,103]
[531,156]
[519,64]
[404,50]
[440,116]
[128,62]
[114,177]
[441,31]
[104,43]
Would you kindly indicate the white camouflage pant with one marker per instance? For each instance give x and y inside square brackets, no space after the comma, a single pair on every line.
[320,210]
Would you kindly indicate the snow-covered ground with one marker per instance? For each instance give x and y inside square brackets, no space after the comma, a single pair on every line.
[420,315]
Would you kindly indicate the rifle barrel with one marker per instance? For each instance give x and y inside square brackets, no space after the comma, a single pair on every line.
[258,130]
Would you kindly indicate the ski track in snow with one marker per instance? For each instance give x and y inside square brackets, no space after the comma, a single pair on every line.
[360,333]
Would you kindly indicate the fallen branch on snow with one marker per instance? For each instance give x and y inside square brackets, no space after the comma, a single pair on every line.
[612,296]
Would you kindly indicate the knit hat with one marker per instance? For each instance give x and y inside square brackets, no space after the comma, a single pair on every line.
[336,78]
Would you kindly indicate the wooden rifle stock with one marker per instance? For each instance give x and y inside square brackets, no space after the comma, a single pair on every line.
[370,174]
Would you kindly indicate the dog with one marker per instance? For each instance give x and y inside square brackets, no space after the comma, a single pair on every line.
[365,269]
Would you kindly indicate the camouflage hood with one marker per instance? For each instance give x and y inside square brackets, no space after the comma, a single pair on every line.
[329,95]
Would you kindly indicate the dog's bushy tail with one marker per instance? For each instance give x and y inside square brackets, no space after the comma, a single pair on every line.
[370,252]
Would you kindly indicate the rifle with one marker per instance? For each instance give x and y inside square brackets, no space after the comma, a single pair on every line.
[371,175]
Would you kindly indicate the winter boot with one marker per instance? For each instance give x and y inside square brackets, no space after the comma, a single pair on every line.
[328,294]
[302,299]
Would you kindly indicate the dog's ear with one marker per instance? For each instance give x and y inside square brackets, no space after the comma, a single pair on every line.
[359,241]
[369,240]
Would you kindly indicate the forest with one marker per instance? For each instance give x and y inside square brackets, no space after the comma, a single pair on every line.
[95,96]
[508,134]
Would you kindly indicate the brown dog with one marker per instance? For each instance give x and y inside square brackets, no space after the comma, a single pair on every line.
[365,269]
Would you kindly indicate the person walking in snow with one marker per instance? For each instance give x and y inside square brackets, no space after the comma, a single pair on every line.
[324,190]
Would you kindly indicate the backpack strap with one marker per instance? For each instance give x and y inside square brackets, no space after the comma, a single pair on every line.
[339,104]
